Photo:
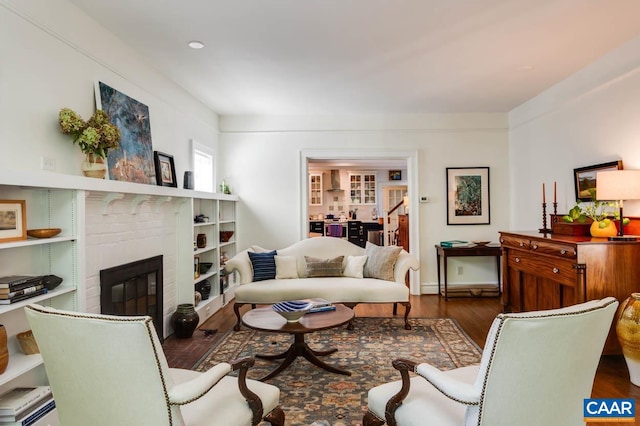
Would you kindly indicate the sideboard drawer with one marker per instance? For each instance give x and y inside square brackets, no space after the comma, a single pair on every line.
[517,242]
[563,250]
[561,271]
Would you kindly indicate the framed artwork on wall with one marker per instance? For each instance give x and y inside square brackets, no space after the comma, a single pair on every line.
[13,220]
[585,178]
[395,174]
[165,169]
[468,196]
[132,161]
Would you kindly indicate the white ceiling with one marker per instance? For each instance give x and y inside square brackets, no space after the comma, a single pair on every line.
[272,57]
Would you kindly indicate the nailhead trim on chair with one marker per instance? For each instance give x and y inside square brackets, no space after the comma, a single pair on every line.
[148,325]
[415,370]
[503,318]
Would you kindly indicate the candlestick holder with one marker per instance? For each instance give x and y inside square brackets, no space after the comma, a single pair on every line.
[544,229]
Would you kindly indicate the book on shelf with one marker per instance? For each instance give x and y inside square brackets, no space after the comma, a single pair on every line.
[18,282]
[23,297]
[5,294]
[31,416]
[16,400]
[454,243]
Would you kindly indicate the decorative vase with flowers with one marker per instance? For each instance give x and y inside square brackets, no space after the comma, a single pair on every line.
[602,214]
[94,137]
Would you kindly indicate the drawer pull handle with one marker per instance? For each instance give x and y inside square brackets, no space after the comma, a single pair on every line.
[556,270]
[521,244]
[535,247]
[517,260]
[563,252]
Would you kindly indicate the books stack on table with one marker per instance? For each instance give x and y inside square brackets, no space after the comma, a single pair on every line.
[320,305]
[455,243]
[24,406]
[15,288]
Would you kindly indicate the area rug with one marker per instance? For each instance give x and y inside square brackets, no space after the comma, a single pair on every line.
[310,395]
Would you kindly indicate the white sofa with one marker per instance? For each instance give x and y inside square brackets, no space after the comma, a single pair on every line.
[347,290]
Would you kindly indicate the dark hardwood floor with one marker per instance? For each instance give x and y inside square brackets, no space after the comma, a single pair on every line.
[474,315]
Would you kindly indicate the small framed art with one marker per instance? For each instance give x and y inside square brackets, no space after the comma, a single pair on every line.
[585,178]
[468,196]
[13,220]
[395,174]
[165,169]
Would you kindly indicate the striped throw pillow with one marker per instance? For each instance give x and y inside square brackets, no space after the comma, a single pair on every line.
[264,265]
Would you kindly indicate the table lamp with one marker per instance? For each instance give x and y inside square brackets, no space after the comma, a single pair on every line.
[619,185]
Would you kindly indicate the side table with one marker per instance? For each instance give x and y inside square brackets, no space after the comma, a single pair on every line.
[487,250]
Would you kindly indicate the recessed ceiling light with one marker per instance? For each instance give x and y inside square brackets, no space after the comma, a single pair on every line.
[195,44]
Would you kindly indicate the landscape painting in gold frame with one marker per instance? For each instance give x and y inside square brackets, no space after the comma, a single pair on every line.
[585,178]
[13,220]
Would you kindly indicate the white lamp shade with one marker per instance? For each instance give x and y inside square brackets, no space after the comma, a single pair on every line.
[618,185]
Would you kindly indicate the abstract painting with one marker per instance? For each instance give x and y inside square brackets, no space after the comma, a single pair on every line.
[132,161]
[468,196]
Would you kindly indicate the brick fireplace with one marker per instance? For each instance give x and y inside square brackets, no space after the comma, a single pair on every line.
[127,230]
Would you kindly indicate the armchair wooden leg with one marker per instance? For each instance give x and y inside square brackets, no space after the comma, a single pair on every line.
[395,308]
[275,417]
[371,419]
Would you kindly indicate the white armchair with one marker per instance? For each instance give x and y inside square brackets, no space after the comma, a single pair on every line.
[109,370]
[536,369]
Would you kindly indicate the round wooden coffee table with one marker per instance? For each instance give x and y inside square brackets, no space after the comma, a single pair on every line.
[266,319]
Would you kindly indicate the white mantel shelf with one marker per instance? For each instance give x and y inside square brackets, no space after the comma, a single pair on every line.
[52,180]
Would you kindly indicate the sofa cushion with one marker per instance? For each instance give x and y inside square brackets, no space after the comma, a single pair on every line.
[264,265]
[335,290]
[286,267]
[317,267]
[355,266]
[380,261]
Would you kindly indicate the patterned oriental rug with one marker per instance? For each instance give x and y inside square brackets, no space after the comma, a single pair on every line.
[310,395]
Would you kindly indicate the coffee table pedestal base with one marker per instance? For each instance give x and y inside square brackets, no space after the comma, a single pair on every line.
[300,348]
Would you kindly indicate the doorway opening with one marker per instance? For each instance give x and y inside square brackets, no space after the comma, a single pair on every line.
[361,163]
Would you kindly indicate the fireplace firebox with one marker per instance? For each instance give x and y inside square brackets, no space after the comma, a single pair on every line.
[134,289]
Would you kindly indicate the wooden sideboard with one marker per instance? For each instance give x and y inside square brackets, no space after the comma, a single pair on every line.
[552,271]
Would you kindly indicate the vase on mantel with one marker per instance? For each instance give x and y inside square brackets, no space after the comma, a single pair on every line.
[94,166]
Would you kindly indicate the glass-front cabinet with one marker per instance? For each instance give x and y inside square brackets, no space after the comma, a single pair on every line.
[315,189]
[362,188]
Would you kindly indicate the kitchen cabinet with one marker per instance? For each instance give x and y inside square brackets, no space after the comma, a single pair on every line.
[362,188]
[355,232]
[315,189]
[548,271]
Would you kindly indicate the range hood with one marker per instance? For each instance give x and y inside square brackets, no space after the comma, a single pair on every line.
[335,182]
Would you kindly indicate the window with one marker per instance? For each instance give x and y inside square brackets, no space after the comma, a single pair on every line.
[203,167]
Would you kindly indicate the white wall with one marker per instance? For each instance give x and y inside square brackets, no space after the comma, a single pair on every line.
[261,157]
[51,56]
[591,117]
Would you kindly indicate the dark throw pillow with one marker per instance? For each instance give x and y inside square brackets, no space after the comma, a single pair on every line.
[264,265]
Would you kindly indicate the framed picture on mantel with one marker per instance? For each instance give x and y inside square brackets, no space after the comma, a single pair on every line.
[468,196]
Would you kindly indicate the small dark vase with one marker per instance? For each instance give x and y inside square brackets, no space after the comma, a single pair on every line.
[184,320]
[204,287]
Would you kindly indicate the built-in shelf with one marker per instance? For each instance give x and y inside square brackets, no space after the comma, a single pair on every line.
[35,242]
[58,291]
